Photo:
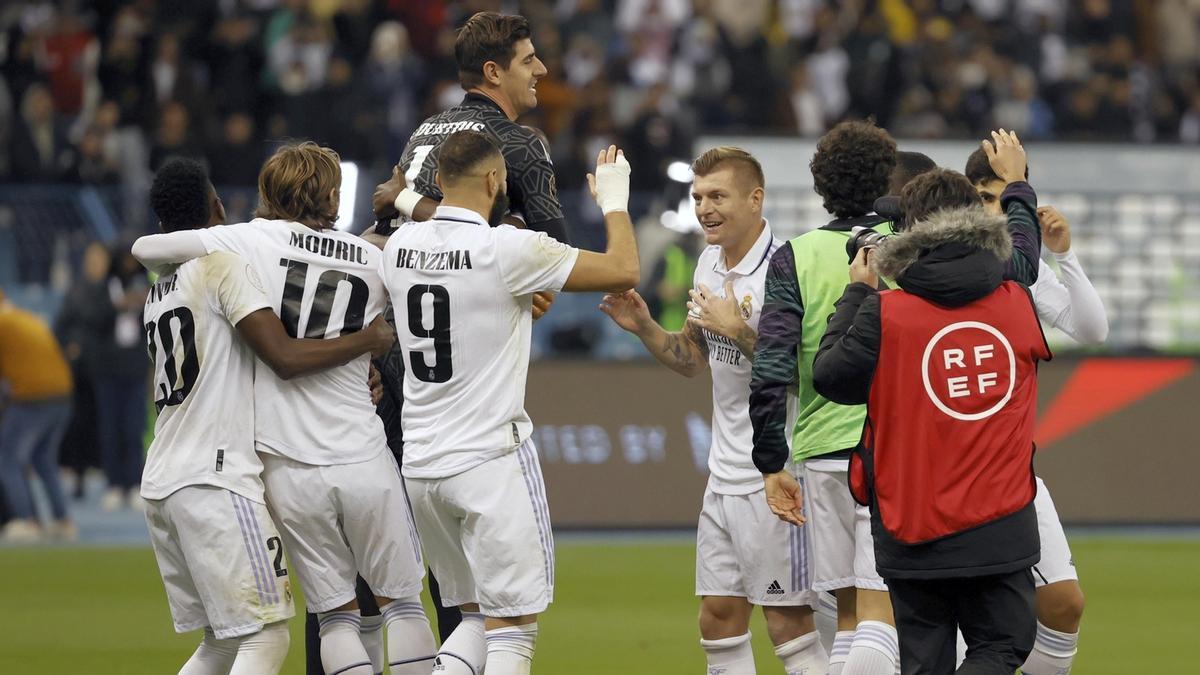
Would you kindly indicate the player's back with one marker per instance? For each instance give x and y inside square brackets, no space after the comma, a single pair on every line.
[462,293]
[203,378]
[532,188]
[322,283]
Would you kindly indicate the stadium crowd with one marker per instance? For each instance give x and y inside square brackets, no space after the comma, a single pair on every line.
[96,92]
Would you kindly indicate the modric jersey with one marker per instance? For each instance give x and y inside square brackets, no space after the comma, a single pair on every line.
[321,284]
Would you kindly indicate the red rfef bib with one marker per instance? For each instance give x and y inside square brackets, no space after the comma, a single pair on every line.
[949,438]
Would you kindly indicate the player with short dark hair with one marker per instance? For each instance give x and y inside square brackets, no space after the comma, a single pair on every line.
[1073,306]
[217,548]
[935,190]
[909,165]
[499,69]
[462,291]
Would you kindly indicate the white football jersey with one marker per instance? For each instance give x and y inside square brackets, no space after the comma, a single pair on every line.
[730,466]
[321,284]
[462,293]
[203,378]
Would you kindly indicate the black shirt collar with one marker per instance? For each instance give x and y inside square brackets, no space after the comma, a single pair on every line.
[476,99]
[847,224]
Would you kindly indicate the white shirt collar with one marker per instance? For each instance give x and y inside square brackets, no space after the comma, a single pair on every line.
[458,214]
[756,256]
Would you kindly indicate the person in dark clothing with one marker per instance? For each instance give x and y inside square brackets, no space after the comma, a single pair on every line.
[947,366]
[120,378]
[81,329]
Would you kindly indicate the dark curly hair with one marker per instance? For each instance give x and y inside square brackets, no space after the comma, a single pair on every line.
[180,195]
[851,167]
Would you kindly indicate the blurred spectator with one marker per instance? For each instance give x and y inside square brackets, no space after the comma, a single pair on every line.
[71,54]
[396,78]
[38,382]
[40,149]
[119,375]
[175,136]
[80,330]
[235,160]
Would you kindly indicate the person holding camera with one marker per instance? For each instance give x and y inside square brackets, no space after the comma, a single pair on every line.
[947,365]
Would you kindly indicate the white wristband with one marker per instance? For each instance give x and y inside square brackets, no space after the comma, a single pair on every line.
[406,201]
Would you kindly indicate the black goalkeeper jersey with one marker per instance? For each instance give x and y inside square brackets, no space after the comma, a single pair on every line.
[532,193]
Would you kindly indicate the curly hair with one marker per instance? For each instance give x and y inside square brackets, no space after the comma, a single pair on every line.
[851,167]
[934,191]
[180,195]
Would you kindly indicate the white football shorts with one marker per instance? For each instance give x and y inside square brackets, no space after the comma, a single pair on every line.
[844,551]
[341,520]
[744,550]
[486,532]
[221,561]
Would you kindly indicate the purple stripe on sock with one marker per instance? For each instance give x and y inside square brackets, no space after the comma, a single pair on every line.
[267,567]
[259,579]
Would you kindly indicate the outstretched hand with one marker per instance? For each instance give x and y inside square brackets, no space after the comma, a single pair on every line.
[610,184]
[784,497]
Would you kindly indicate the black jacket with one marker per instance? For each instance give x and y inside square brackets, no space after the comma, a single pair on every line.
[952,259]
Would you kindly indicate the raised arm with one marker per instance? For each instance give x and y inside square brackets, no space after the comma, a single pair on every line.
[616,270]
[1071,304]
[685,352]
[291,357]
[1019,201]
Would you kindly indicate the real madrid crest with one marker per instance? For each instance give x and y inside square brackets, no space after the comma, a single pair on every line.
[747,308]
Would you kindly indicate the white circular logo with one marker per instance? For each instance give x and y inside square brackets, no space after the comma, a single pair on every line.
[963,372]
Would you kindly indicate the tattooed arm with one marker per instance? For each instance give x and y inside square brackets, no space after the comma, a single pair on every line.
[685,352]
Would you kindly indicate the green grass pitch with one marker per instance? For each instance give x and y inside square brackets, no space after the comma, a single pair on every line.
[622,606]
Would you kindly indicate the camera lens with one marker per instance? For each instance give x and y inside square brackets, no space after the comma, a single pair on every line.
[862,237]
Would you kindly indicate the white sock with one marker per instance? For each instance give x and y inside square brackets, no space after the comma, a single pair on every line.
[371,634]
[875,650]
[510,649]
[342,651]
[212,657]
[262,653]
[841,651]
[804,655]
[1053,652]
[410,644]
[825,616]
[960,648]
[465,651]
[729,656]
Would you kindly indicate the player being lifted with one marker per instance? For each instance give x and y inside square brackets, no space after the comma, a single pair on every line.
[1073,306]
[745,556]
[332,485]
[220,556]
[499,69]
[462,291]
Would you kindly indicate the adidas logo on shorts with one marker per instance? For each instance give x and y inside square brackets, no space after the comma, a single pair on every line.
[775,588]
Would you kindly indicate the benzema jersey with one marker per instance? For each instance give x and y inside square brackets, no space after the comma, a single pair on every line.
[203,378]
[463,293]
[730,466]
[321,283]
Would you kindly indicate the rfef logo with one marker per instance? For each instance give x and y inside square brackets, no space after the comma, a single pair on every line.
[969,370]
